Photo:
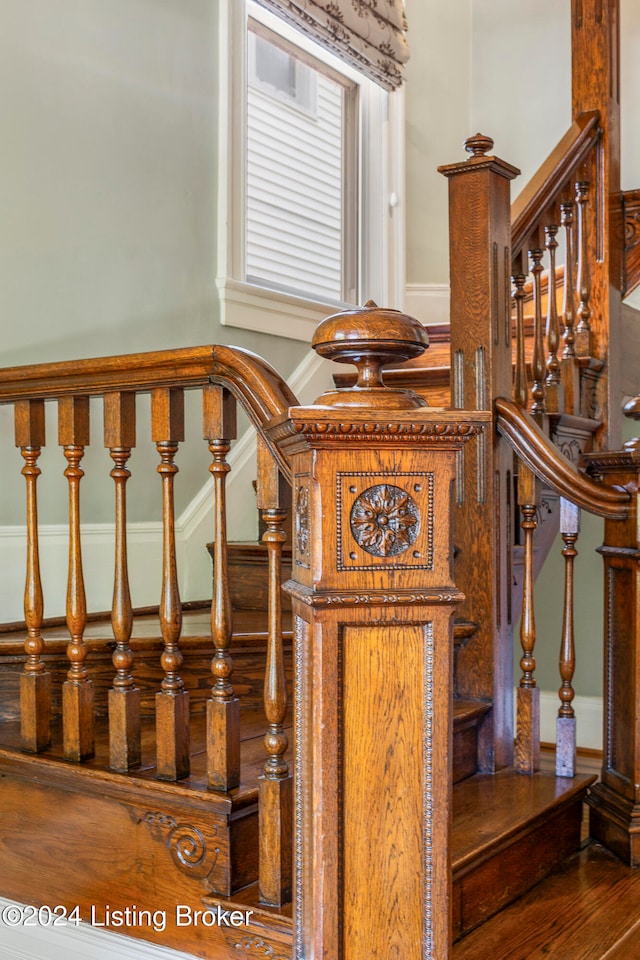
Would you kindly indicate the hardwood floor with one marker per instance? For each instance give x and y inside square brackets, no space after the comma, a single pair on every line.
[589,909]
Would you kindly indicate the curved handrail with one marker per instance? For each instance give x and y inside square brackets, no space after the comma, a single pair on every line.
[549,179]
[261,391]
[543,458]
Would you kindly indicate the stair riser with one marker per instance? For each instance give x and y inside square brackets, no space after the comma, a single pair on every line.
[61,847]
[511,870]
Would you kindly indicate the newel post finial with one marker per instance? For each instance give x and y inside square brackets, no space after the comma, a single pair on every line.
[370,337]
[478,145]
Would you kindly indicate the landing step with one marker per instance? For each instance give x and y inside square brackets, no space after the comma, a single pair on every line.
[509,832]
[586,910]
[467,717]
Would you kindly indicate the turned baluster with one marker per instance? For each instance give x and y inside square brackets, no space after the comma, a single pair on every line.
[77,691]
[276,784]
[538,390]
[172,700]
[520,386]
[583,330]
[566,720]
[527,745]
[568,301]
[124,696]
[223,708]
[35,681]
[552,382]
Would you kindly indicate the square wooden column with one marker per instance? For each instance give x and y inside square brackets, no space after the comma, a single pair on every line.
[373,596]
[481,370]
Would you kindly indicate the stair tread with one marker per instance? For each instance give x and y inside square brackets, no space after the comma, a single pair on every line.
[466,711]
[585,910]
[511,803]
[98,777]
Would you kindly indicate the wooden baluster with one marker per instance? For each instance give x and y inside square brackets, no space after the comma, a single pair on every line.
[172,700]
[77,691]
[35,681]
[566,720]
[527,745]
[552,381]
[569,365]
[583,330]
[223,708]
[520,387]
[276,784]
[538,391]
[124,696]
[568,302]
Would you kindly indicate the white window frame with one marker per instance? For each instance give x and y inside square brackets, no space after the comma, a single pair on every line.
[250,306]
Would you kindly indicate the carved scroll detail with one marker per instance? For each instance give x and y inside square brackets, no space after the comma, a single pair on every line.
[194,854]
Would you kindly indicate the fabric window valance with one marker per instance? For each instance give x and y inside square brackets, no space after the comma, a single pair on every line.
[371,35]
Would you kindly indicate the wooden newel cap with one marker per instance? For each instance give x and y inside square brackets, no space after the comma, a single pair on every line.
[371,338]
[478,145]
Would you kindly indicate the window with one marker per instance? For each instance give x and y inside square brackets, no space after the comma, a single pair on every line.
[306,202]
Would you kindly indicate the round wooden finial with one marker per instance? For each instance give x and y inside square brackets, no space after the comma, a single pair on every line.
[371,337]
[479,145]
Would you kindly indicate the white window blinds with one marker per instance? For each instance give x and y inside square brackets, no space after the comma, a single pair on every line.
[371,35]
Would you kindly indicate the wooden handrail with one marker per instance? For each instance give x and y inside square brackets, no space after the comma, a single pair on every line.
[544,459]
[261,391]
[547,182]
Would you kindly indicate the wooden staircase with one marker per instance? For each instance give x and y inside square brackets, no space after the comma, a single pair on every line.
[413,826]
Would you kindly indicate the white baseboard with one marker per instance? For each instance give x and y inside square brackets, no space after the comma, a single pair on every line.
[589,716]
[427,302]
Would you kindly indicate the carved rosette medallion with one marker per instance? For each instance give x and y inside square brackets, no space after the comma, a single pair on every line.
[385,520]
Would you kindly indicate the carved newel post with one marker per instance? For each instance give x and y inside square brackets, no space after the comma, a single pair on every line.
[615,800]
[373,597]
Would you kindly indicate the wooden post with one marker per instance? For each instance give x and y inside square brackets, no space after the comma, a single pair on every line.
[481,365]
[373,597]
[615,801]
[595,48]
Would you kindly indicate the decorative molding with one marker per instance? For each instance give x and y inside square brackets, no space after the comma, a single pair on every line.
[71,942]
[428,825]
[438,432]
[193,853]
[301,521]
[374,598]
[250,946]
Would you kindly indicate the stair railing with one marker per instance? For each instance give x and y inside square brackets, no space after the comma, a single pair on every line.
[559,201]
[542,462]
[120,381]
[492,254]
[372,595]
